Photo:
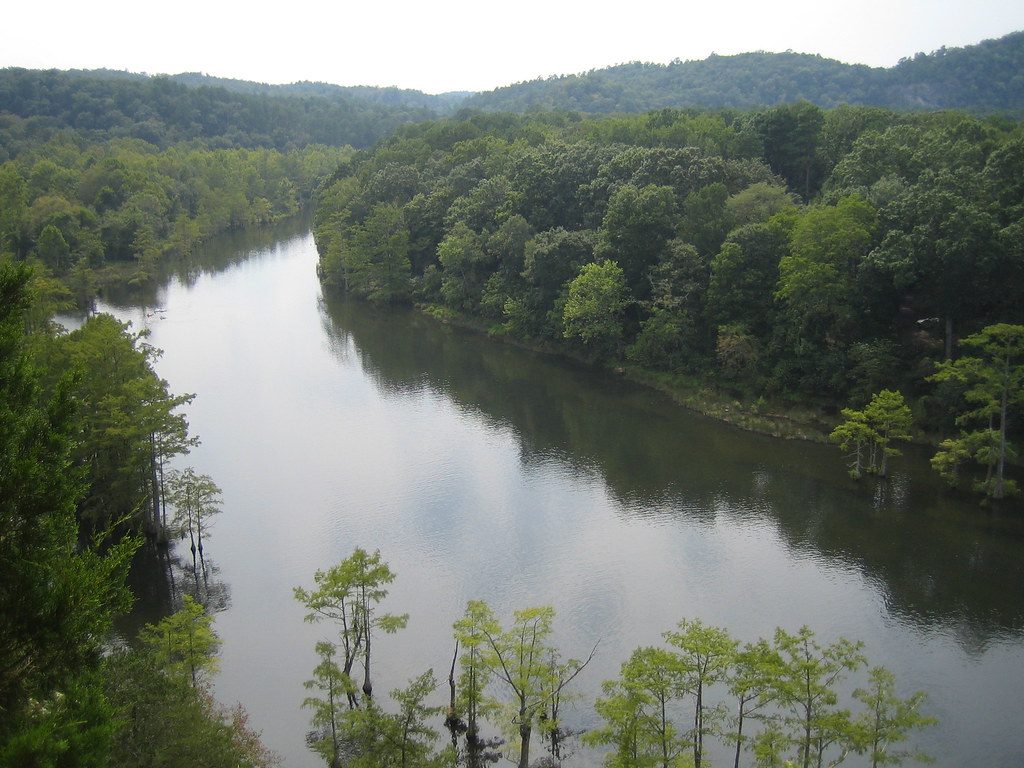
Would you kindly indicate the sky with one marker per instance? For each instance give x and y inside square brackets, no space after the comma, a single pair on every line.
[461,45]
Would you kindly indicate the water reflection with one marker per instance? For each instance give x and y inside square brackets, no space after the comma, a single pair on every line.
[221,252]
[160,577]
[483,471]
[936,559]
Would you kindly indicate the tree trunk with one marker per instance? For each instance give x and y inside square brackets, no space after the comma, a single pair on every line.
[997,490]
[664,732]
[698,727]
[154,485]
[334,726]
[525,729]
[949,337]
[367,685]
[739,737]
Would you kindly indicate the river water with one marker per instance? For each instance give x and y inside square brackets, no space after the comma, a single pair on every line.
[483,471]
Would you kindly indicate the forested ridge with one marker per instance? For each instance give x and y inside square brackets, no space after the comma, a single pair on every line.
[787,254]
[980,78]
[163,111]
[225,112]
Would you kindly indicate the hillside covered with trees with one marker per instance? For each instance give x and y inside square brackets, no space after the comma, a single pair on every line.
[787,254]
[163,111]
[980,78]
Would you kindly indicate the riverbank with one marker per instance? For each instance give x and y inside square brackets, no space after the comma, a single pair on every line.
[760,416]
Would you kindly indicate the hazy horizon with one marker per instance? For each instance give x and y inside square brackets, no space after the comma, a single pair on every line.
[456,45]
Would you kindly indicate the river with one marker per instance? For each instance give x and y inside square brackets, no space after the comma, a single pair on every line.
[484,471]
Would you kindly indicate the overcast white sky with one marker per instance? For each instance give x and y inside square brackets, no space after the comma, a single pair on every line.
[450,45]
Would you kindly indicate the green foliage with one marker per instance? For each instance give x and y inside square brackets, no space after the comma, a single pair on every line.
[520,657]
[334,684]
[196,498]
[348,594]
[375,256]
[184,644]
[732,279]
[705,656]
[637,710]
[810,674]
[991,383]
[166,110]
[118,209]
[594,305]
[129,423]
[165,721]
[887,720]
[786,694]
[57,598]
[886,418]
[981,78]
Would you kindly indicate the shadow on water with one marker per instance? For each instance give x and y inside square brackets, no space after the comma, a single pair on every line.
[937,560]
[216,255]
[160,577]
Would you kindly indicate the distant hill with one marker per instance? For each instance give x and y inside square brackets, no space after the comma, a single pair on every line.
[984,78]
[987,77]
[164,110]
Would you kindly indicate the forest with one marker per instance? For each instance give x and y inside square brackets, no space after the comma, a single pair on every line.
[92,213]
[857,261]
[787,255]
[224,113]
[87,429]
[164,111]
[982,78]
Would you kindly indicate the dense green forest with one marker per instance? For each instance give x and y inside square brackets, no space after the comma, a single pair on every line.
[93,212]
[980,78]
[784,254]
[88,431]
[222,112]
[162,111]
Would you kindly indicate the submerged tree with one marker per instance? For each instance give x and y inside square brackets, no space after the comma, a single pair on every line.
[196,498]
[349,594]
[334,684]
[637,710]
[469,701]
[886,418]
[518,658]
[705,655]
[807,687]
[888,720]
[751,680]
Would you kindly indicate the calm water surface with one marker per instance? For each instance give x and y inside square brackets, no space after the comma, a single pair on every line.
[483,471]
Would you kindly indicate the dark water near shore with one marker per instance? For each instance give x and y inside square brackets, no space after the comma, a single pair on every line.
[484,471]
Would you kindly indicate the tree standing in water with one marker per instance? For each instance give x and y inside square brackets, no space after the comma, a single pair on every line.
[349,593]
[196,498]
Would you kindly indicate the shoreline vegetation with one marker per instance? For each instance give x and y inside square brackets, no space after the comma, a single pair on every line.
[773,269]
[773,420]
